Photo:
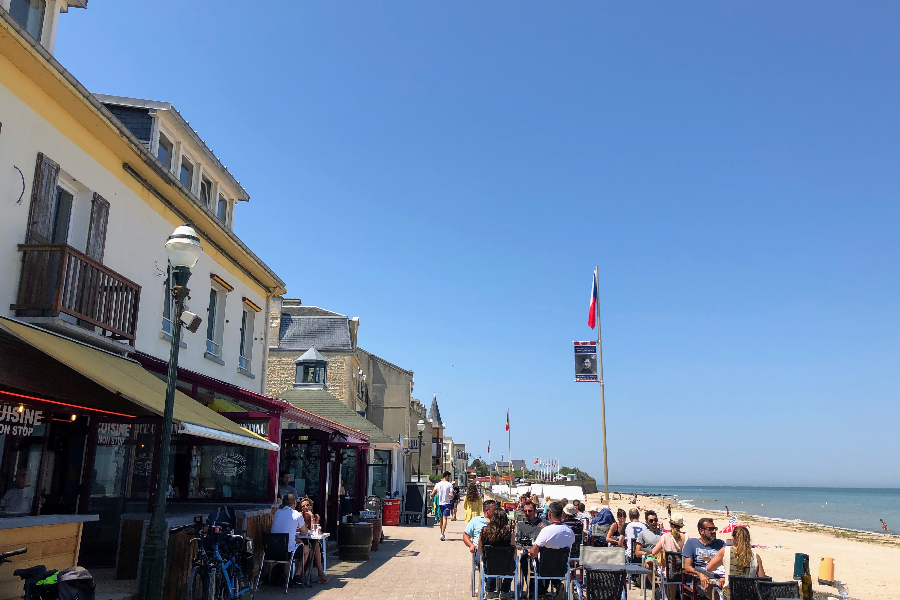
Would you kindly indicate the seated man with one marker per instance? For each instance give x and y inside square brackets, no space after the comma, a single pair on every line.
[287,520]
[555,535]
[647,539]
[632,530]
[531,526]
[601,521]
[285,487]
[698,552]
[473,529]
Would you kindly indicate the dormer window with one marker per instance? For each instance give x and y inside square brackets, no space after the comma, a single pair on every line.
[186,175]
[205,192]
[312,370]
[222,209]
[164,152]
[30,15]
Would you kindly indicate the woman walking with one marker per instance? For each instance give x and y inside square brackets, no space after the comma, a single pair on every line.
[472,503]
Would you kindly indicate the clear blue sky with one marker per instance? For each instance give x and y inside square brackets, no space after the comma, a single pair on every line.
[452,172]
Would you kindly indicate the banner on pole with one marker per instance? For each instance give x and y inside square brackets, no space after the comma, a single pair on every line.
[586,361]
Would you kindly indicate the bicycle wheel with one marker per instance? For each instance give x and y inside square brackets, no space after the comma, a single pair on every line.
[200,584]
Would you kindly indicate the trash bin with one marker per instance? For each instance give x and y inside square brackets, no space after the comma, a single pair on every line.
[392,512]
[355,541]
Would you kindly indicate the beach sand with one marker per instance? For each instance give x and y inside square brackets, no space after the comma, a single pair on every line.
[866,563]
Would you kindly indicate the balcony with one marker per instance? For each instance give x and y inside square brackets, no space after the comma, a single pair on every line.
[67,291]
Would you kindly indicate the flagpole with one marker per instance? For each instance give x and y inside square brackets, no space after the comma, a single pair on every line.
[602,395]
[509,440]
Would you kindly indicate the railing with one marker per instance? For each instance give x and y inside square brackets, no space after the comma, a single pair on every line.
[58,279]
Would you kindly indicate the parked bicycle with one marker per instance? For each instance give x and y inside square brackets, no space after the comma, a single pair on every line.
[223,565]
[41,583]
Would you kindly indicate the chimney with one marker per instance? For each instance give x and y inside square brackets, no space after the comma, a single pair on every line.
[354,328]
[275,321]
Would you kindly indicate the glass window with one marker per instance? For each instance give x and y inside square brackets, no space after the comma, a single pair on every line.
[186,176]
[246,349]
[205,191]
[215,321]
[30,15]
[62,213]
[220,472]
[302,458]
[164,152]
[312,373]
[380,474]
[22,442]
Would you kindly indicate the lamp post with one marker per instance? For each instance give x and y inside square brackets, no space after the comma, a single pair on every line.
[183,249]
[421,427]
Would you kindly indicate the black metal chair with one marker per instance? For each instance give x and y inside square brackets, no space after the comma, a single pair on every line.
[671,576]
[744,588]
[475,567]
[499,562]
[275,552]
[553,563]
[604,585]
[770,590]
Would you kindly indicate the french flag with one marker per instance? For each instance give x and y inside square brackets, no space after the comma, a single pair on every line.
[592,317]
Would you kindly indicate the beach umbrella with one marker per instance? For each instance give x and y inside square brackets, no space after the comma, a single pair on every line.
[732,523]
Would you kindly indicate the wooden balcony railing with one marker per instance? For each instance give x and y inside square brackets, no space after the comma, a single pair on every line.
[58,279]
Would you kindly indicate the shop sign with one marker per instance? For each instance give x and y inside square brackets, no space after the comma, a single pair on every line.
[229,464]
[257,427]
[113,434]
[18,420]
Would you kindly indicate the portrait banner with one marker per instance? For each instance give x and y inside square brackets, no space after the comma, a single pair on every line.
[586,361]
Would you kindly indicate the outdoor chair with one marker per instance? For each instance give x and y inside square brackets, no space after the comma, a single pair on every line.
[604,585]
[475,567]
[275,552]
[671,576]
[499,562]
[552,563]
[744,588]
[770,590]
[595,555]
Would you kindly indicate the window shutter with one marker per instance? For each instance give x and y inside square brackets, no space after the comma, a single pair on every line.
[96,241]
[43,196]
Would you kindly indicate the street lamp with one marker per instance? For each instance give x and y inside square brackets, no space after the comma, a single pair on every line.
[421,427]
[183,249]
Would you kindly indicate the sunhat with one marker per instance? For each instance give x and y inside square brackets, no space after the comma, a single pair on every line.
[570,510]
[677,519]
[594,508]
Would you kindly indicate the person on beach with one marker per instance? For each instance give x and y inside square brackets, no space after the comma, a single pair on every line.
[443,491]
[472,503]
[727,512]
[698,552]
[616,534]
[632,530]
[740,560]
[669,508]
[497,533]
[884,526]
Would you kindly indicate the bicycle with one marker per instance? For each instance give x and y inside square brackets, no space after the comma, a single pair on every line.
[214,577]
[40,583]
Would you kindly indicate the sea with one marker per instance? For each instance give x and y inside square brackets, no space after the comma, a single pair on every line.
[854,509]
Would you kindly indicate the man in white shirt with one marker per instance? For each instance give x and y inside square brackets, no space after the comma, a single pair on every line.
[443,489]
[633,530]
[288,520]
[554,535]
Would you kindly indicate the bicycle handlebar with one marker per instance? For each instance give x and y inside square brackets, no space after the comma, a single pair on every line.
[7,555]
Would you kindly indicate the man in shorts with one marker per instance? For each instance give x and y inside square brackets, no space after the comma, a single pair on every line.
[443,489]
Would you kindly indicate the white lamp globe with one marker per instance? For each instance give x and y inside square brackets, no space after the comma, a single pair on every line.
[183,247]
[420,425]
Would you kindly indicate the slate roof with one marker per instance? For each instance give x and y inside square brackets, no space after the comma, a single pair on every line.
[322,403]
[308,311]
[327,333]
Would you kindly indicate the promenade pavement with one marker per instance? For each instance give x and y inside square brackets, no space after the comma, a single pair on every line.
[411,564]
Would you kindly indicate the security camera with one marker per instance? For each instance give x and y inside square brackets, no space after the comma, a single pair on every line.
[191,321]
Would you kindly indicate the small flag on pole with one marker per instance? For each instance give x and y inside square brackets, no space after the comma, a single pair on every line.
[592,317]
[535,462]
[507,419]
